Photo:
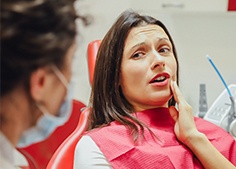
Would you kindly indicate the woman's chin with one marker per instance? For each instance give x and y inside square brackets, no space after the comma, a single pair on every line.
[162,102]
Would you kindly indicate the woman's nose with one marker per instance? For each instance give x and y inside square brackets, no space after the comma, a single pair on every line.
[158,60]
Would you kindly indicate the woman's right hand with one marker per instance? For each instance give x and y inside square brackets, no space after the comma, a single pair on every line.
[185,127]
[186,131]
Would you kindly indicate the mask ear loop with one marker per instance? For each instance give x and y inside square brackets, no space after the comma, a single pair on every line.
[60,76]
[43,109]
[63,80]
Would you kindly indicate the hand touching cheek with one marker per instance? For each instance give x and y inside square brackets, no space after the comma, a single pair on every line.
[185,126]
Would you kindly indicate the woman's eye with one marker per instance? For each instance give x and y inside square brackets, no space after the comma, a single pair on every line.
[164,50]
[137,55]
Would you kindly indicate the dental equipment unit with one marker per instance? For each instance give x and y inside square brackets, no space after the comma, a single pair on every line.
[223,110]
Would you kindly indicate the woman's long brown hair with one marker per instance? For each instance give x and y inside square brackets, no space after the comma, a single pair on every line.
[107,100]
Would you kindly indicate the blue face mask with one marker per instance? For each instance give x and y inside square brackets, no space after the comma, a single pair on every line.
[47,123]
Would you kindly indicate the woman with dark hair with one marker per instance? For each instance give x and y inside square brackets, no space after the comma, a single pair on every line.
[134,122]
[37,48]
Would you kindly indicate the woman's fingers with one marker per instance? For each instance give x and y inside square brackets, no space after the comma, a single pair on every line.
[183,116]
[175,91]
[178,96]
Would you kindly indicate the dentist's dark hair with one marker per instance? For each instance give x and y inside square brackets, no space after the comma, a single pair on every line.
[34,33]
[107,100]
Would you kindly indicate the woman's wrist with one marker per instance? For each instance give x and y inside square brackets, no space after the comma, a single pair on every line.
[196,139]
[199,144]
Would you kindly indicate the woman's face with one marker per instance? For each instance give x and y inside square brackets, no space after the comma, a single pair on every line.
[147,68]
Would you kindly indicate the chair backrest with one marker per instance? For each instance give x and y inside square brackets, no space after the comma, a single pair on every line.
[63,158]
[91,57]
[39,154]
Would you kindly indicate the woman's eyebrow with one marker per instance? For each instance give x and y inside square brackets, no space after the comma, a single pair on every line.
[159,40]
[139,44]
[163,39]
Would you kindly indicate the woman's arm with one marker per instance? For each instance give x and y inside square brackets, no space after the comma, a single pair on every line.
[89,156]
[187,133]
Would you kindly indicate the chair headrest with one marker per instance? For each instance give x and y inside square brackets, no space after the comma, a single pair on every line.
[91,56]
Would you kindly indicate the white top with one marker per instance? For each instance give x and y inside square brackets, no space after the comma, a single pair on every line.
[10,158]
[89,156]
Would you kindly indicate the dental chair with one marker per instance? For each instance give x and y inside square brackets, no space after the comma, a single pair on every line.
[91,56]
[39,154]
[63,158]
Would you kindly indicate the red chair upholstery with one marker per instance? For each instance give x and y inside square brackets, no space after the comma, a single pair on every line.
[39,154]
[92,54]
[63,158]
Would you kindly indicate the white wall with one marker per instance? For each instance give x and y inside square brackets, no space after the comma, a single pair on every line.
[195,34]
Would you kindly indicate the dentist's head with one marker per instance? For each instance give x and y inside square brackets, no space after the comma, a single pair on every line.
[37,47]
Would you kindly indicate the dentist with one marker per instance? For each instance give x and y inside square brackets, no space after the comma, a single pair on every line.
[37,47]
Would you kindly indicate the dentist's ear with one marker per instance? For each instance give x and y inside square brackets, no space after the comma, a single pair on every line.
[38,83]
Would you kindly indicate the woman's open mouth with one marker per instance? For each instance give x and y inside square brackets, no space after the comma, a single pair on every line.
[160,80]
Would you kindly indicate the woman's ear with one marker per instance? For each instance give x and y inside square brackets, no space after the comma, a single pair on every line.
[38,83]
